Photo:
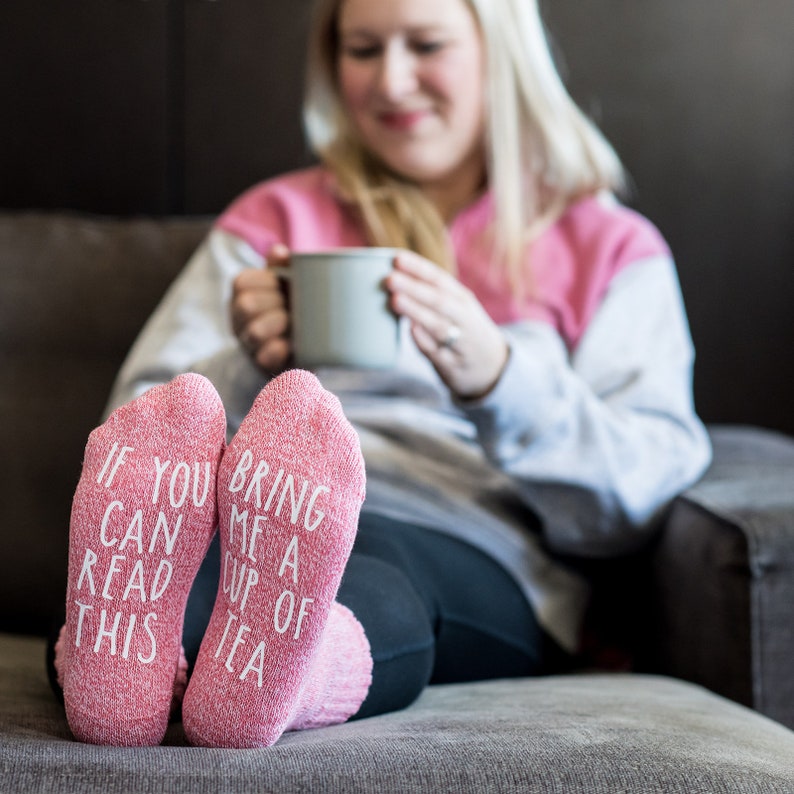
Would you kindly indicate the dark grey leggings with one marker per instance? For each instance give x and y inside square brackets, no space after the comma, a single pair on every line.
[434,609]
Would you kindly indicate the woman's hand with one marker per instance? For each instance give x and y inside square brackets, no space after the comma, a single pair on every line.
[449,325]
[260,318]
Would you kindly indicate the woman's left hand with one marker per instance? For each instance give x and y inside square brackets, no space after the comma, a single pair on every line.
[449,325]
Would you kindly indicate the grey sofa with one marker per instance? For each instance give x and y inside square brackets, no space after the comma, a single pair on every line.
[686,685]
[155,108]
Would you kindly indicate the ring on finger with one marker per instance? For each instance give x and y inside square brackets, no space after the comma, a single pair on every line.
[451,337]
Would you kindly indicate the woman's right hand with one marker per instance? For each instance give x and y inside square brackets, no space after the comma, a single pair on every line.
[259,314]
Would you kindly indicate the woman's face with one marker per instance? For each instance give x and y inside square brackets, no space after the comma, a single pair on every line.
[411,78]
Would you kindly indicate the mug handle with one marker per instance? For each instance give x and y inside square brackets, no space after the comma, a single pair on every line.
[281,271]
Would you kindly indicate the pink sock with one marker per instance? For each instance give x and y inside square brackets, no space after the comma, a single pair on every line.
[278,652]
[142,518]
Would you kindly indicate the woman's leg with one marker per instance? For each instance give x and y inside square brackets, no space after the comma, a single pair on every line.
[395,619]
[434,609]
[279,653]
[142,518]
[437,610]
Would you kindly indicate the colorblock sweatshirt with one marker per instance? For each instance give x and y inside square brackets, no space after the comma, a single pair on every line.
[580,447]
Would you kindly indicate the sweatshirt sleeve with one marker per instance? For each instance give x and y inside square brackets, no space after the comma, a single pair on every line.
[600,439]
[190,331]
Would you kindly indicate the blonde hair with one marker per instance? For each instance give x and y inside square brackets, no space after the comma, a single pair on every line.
[542,152]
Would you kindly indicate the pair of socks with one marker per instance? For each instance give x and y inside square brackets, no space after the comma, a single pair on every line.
[279,652]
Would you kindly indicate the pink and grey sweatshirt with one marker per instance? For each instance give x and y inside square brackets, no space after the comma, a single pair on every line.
[588,435]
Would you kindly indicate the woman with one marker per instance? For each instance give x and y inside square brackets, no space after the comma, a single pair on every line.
[542,403]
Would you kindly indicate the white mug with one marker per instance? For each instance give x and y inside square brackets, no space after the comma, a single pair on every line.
[339,308]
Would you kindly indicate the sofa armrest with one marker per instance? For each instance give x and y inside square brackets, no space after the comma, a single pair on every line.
[723,575]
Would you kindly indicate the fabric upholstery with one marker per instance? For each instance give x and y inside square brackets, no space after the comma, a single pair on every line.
[75,292]
[724,571]
[583,733]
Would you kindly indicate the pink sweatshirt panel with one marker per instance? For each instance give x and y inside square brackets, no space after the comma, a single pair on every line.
[569,267]
[299,209]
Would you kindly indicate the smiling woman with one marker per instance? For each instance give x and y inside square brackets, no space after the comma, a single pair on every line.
[540,403]
[411,79]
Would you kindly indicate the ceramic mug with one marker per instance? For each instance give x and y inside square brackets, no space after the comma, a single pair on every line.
[339,308]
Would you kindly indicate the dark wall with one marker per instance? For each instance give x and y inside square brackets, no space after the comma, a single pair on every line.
[699,99]
[174,106]
[147,106]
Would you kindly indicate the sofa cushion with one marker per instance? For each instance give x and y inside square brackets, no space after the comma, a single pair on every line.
[76,291]
[580,733]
